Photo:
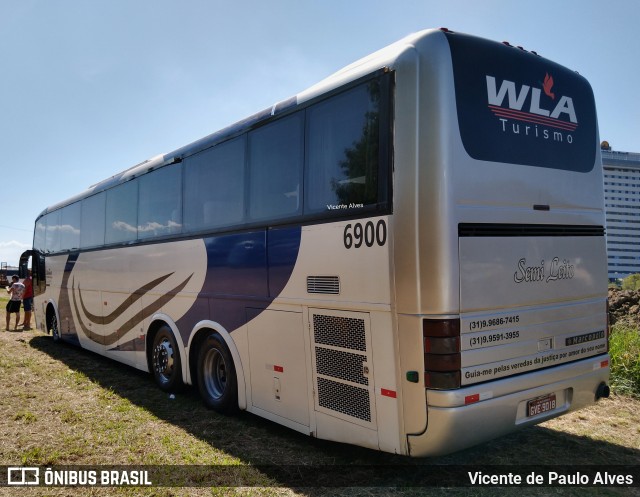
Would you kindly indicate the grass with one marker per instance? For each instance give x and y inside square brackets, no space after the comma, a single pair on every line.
[624,347]
[64,406]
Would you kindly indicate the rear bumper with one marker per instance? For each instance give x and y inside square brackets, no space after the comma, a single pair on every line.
[453,424]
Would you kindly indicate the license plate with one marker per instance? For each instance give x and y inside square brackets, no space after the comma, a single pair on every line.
[541,405]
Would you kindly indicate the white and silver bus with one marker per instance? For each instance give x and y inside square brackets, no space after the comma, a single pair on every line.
[408,256]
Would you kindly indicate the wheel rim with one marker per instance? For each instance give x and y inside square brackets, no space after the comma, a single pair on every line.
[55,333]
[163,360]
[215,374]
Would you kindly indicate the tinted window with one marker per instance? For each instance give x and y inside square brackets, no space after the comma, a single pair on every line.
[40,235]
[122,213]
[70,227]
[92,221]
[275,166]
[160,207]
[53,232]
[343,151]
[517,108]
[214,186]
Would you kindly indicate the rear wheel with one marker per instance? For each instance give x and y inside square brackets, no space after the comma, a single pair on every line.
[165,361]
[217,379]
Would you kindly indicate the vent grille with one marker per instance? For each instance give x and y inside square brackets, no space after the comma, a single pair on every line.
[342,361]
[346,333]
[343,365]
[323,284]
[347,399]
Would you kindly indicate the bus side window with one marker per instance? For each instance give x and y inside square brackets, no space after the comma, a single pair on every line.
[122,213]
[52,243]
[92,221]
[275,168]
[342,147]
[160,202]
[214,186]
[40,236]
[70,227]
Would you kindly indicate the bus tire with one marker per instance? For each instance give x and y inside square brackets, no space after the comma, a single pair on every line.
[52,325]
[217,380]
[165,361]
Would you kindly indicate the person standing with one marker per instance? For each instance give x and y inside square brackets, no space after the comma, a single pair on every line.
[16,290]
[27,301]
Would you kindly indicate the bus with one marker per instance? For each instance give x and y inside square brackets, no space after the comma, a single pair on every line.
[407,256]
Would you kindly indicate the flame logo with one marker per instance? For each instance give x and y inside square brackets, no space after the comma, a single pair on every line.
[547,85]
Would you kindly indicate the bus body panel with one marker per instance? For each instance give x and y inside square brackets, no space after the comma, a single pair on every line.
[527,270]
[498,415]
[529,318]
[277,364]
[423,265]
[488,279]
[107,297]
[531,223]
[115,295]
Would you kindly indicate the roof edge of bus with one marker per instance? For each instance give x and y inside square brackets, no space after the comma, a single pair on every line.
[379,59]
[104,184]
[351,72]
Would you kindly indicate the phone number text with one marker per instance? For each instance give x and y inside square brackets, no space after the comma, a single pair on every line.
[493,339]
[481,324]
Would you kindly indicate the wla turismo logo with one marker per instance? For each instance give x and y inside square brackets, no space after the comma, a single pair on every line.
[524,111]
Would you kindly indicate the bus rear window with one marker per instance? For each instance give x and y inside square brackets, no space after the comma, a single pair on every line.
[516,107]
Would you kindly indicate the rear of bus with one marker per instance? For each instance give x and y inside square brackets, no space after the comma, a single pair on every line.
[510,249]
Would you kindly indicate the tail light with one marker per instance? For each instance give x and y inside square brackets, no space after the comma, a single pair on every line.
[441,353]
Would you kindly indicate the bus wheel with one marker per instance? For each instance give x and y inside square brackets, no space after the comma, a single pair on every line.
[52,326]
[165,360]
[217,380]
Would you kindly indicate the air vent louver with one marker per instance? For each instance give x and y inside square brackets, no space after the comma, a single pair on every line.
[323,284]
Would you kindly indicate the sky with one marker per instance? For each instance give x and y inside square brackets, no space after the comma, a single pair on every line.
[89,88]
